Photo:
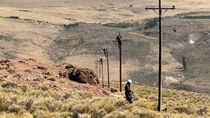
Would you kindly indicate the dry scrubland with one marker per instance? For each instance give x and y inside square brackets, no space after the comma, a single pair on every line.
[35,29]
[51,31]
[32,89]
[17,101]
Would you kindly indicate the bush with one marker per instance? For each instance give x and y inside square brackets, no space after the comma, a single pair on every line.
[150,23]
[119,114]
[24,88]
[80,108]
[13,17]
[9,85]
[8,115]
[15,108]
[120,103]
[149,115]
[27,115]
[71,25]
[196,17]
[183,109]
[120,25]
[5,103]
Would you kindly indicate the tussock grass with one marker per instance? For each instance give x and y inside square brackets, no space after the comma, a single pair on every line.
[49,103]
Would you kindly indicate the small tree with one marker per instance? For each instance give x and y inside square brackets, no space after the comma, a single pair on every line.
[184,63]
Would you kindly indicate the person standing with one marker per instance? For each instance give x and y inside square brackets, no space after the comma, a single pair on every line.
[128,91]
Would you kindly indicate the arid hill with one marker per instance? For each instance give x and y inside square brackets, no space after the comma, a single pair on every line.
[34,75]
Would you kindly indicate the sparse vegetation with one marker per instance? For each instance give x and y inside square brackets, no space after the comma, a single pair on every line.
[130,6]
[9,85]
[147,24]
[121,25]
[71,25]
[150,23]
[58,104]
[13,17]
[196,17]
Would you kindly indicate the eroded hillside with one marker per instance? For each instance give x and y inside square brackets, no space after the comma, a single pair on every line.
[40,29]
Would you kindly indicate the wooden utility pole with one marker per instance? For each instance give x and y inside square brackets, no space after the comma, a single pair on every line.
[106,53]
[160,13]
[119,41]
[102,72]
[98,67]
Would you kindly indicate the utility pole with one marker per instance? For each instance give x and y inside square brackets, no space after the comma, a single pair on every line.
[160,13]
[98,67]
[102,72]
[107,60]
[119,41]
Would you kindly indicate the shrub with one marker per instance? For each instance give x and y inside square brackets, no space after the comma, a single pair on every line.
[118,114]
[71,25]
[183,109]
[184,63]
[13,17]
[23,88]
[15,108]
[39,114]
[53,105]
[27,115]
[149,114]
[101,113]
[59,115]
[196,17]
[119,25]
[150,23]
[80,108]
[5,102]
[120,103]
[9,85]
[44,88]
[128,107]
[29,104]
[84,95]
[106,104]
[9,115]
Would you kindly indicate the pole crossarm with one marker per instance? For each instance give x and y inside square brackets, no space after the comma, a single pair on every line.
[105,52]
[163,8]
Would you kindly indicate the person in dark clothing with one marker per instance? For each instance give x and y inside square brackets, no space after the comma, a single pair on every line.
[128,91]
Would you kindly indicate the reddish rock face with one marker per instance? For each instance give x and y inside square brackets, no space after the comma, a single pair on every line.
[61,77]
[80,75]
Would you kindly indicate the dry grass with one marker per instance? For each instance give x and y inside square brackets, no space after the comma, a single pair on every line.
[14,102]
